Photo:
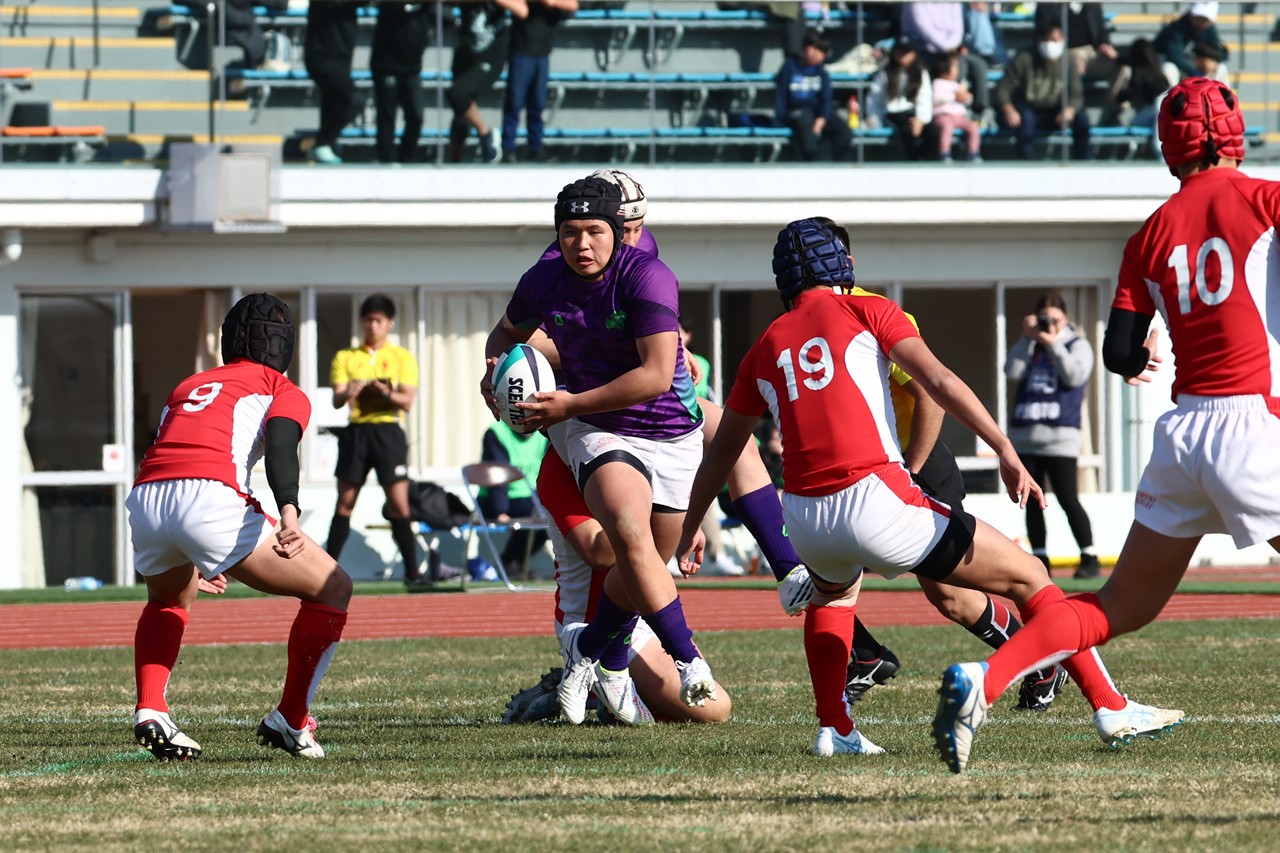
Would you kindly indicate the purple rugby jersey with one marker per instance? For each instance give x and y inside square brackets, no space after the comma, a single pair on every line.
[595,326]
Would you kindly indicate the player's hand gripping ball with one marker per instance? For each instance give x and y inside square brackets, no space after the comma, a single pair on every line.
[519,374]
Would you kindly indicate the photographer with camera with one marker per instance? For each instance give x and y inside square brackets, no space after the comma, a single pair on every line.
[1051,365]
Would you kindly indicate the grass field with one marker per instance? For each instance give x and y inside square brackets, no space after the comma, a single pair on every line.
[417,759]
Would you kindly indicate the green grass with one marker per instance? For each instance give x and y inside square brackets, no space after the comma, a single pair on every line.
[417,759]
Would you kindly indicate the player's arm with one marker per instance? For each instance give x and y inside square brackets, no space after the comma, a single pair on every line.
[915,357]
[926,426]
[543,344]
[281,461]
[1128,348]
[592,545]
[638,385]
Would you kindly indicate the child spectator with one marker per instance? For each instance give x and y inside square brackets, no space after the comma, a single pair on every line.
[1208,62]
[950,97]
[1135,96]
[901,98]
[484,40]
[804,103]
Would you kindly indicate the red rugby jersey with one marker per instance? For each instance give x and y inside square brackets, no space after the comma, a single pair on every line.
[1208,261]
[214,423]
[822,369]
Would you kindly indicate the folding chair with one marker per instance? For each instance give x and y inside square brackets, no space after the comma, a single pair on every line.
[491,475]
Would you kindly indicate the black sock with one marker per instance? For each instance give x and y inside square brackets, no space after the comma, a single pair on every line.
[996,624]
[339,530]
[865,646]
[407,542]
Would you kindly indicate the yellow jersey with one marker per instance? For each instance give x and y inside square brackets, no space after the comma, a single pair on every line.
[390,362]
[904,405]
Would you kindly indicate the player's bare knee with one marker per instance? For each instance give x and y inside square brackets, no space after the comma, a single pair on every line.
[337,589]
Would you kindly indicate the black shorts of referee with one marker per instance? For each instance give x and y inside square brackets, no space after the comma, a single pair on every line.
[376,447]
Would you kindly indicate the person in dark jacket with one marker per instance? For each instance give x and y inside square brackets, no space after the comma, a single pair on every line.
[1030,98]
[399,39]
[804,104]
[1177,40]
[330,45]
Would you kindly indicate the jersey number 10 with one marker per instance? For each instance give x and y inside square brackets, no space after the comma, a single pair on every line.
[1226,277]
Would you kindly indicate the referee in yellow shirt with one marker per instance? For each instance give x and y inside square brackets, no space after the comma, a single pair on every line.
[378,381]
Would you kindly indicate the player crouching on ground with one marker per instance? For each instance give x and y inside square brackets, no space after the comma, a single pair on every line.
[194,519]
[822,370]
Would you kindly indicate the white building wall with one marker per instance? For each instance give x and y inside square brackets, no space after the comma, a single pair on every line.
[477,230]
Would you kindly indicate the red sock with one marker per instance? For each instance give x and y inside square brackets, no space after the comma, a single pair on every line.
[312,641]
[828,642]
[155,651]
[1054,624]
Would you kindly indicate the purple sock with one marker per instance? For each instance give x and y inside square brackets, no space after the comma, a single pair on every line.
[616,655]
[608,621]
[673,632]
[761,513]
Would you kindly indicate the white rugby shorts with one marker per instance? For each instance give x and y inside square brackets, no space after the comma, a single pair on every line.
[882,523]
[1215,468]
[669,464]
[192,521]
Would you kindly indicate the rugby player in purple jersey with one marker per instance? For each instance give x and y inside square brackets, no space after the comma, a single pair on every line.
[633,430]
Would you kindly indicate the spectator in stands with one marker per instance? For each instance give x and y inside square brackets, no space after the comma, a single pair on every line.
[1177,40]
[1031,99]
[938,29]
[529,69]
[1208,62]
[1088,38]
[242,28]
[502,504]
[803,102]
[981,35]
[1135,95]
[399,38]
[330,45]
[484,41]
[950,110]
[901,98]
[1051,365]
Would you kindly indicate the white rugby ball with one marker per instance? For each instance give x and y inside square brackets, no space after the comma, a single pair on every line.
[520,373]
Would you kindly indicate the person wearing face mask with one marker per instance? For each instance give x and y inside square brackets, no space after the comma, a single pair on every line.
[1031,99]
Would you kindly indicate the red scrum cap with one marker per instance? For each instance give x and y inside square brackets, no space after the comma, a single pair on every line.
[1200,119]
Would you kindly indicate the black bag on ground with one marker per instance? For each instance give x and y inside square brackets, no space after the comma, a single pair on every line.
[435,506]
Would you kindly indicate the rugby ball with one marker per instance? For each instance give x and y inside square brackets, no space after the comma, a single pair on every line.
[520,373]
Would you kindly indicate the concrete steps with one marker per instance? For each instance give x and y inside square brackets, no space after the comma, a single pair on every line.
[77,52]
[68,19]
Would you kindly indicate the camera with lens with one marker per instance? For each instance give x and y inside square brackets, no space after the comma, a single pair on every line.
[1044,322]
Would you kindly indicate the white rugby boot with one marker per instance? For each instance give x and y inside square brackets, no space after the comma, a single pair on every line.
[830,742]
[579,677]
[617,691]
[273,731]
[697,684]
[962,709]
[1134,720]
[157,734]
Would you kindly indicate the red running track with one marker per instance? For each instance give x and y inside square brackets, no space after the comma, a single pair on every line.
[489,614]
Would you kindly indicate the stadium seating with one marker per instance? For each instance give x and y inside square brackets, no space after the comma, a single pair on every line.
[695,86]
